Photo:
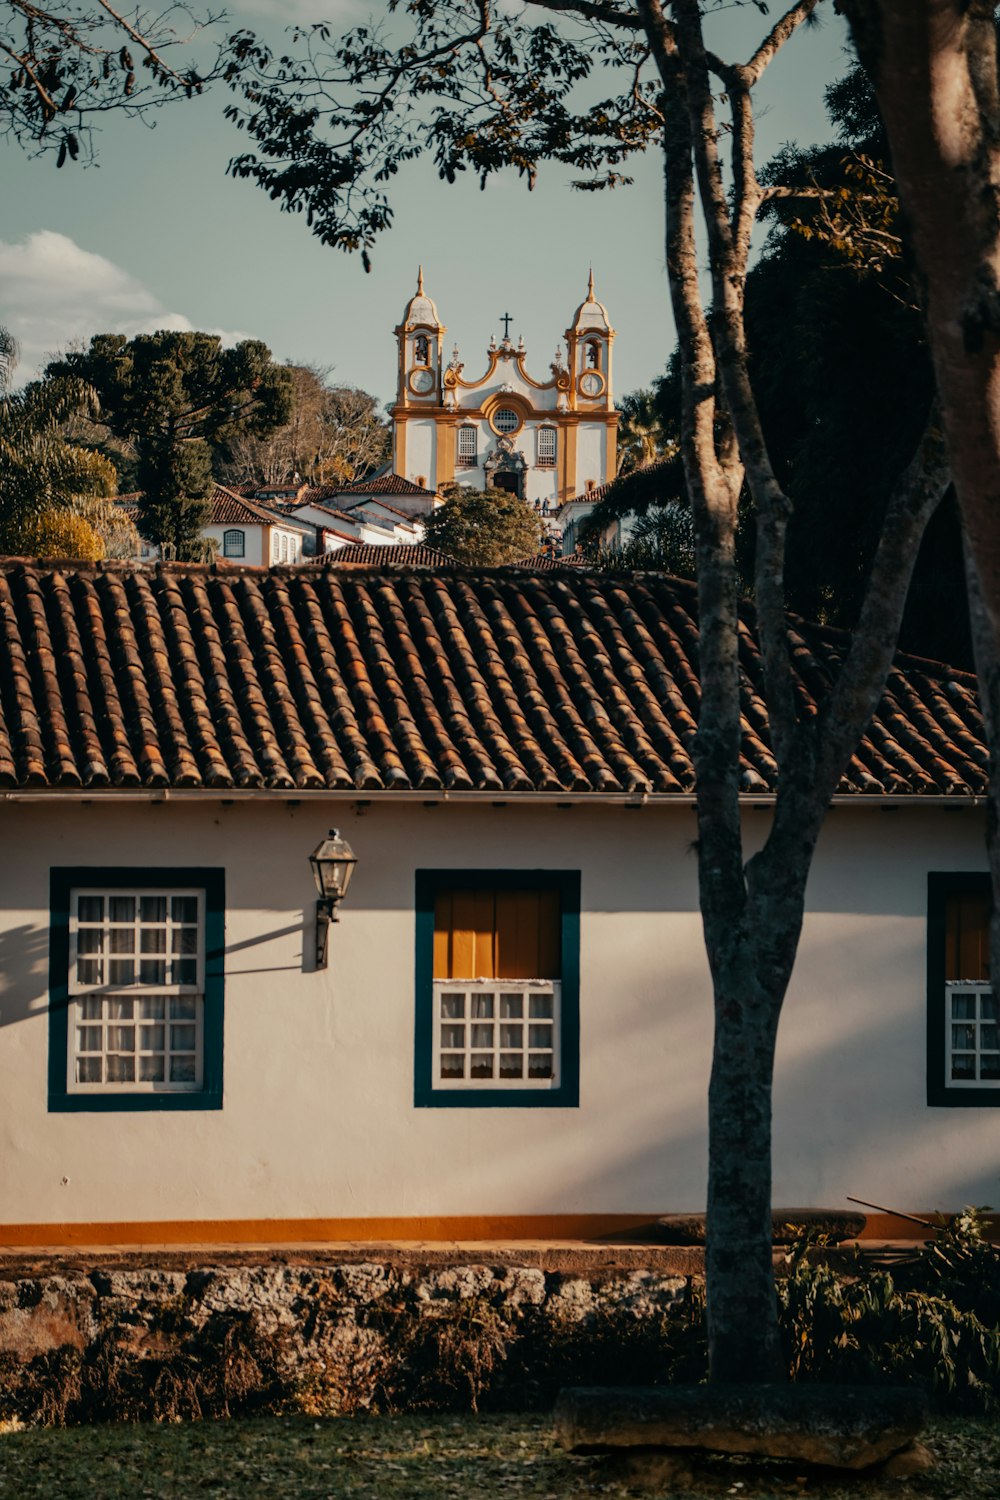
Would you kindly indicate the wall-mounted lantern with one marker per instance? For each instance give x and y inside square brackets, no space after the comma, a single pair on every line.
[333,864]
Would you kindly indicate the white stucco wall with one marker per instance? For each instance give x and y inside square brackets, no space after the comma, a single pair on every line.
[591,455]
[253,544]
[421,450]
[318,1118]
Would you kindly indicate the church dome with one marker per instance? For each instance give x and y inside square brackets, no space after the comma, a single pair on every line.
[591,315]
[421,308]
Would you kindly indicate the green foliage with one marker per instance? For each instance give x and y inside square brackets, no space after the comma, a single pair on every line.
[483,528]
[936,1329]
[843,383]
[182,401]
[643,436]
[118,533]
[42,476]
[69,61]
[480,89]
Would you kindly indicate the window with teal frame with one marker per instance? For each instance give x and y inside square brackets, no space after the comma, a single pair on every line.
[136,988]
[497,989]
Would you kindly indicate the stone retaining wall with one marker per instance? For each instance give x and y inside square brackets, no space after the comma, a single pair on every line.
[147,1342]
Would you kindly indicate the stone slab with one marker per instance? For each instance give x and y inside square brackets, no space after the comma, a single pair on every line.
[787,1225]
[846,1427]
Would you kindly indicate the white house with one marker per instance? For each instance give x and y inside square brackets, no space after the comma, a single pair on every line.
[512,1034]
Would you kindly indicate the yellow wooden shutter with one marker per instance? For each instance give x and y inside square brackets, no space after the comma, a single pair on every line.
[967,940]
[488,934]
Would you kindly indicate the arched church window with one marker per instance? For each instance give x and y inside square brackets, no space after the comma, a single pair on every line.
[468,455]
[546,446]
[592,355]
[422,349]
[233,544]
[506,419]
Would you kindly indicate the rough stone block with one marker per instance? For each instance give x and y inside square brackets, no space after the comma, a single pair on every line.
[847,1427]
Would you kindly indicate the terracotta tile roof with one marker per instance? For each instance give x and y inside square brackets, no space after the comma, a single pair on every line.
[500,681]
[386,484]
[591,497]
[231,509]
[363,505]
[544,562]
[375,554]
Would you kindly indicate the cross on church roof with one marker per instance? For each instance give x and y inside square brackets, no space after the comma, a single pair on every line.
[506,320]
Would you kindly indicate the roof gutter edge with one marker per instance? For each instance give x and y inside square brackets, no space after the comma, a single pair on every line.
[753,800]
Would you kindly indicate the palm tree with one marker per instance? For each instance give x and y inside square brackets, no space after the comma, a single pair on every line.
[42,476]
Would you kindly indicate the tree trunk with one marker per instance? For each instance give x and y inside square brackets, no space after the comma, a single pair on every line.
[935,70]
[743,1337]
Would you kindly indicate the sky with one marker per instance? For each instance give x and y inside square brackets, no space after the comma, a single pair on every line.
[157,236]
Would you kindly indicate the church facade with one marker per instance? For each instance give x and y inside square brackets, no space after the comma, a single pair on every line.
[547,440]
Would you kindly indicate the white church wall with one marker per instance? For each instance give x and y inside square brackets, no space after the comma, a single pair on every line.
[421,450]
[591,455]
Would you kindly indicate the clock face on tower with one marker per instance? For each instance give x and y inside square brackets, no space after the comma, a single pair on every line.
[422,381]
[591,383]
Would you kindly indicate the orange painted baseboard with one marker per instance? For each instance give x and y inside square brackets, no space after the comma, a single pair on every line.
[322,1231]
[485,1227]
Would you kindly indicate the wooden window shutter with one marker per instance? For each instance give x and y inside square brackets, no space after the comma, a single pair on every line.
[967,937]
[490,934]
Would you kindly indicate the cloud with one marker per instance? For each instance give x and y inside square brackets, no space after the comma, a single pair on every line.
[54,293]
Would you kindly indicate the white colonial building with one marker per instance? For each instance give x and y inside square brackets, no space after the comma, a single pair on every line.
[547,440]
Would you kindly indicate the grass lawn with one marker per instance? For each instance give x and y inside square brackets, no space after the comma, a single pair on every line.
[412,1458]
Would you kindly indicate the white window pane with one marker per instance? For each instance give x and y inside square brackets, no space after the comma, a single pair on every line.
[89,1069]
[121,908]
[89,1038]
[452,1036]
[963,1007]
[152,1069]
[539,1065]
[121,1038]
[91,1008]
[121,971]
[152,1038]
[121,1069]
[152,1007]
[184,909]
[989,1065]
[511,1036]
[482,1036]
[120,1008]
[90,971]
[540,1036]
[452,1065]
[963,1037]
[90,940]
[182,1038]
[540,1007]
[182,1069]
[152,971]
[511,1006]
[482,1006]
[185,971]
[183,1008]
[481,1065]
[153,940]
[511,1065]
[122,940]
[452,1006]
[91,909]
[152,908]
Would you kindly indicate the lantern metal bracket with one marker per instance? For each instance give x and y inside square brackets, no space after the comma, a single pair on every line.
[326,912]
